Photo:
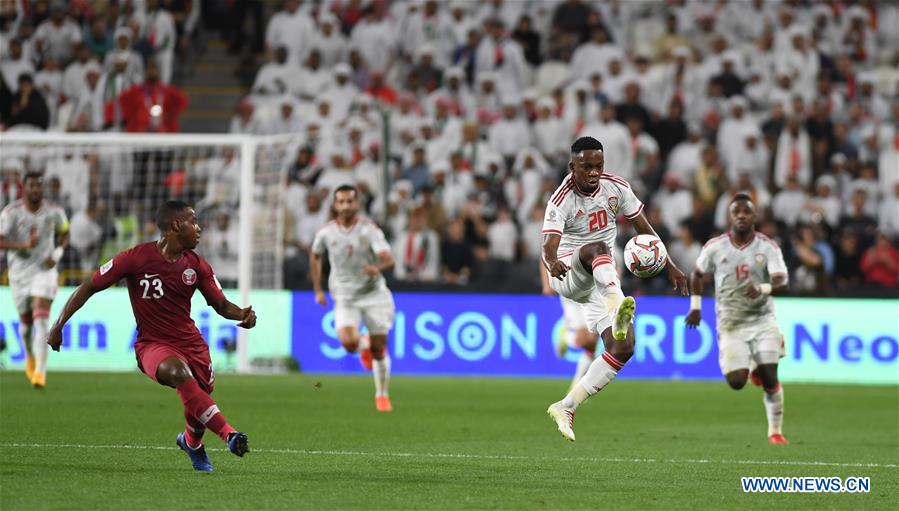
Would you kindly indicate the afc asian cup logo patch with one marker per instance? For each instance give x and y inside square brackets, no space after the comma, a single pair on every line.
[613,204]
[106,267]
[760,259]
[189,277]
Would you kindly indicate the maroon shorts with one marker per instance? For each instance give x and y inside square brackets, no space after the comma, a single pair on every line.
[150,354]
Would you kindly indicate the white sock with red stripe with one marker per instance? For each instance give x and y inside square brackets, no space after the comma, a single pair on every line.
[601,372]
[583,364]
[39,341]
[774,408]
[607,282]
[381,371]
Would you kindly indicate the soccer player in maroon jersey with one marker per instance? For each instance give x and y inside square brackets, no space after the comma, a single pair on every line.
[162,276]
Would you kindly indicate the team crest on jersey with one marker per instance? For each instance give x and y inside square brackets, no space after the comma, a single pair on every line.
[760,259]
[552,215]
[613,204]
[189,276]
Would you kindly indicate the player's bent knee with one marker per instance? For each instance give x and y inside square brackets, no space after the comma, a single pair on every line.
[737,379]
[173,372]
[350,346]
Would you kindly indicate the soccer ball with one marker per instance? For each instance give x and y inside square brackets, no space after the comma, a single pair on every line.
[645,255]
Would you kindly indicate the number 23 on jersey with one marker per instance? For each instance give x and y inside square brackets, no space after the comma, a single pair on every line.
[151,288]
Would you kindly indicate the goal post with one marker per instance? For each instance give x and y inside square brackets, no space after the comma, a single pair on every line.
[117,180]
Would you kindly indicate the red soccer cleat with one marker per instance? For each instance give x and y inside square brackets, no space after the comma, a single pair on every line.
[383,404]
[365,358]
[778,439]
[755,378]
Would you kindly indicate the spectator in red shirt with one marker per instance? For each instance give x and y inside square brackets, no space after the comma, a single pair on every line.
[380,90]
[152,106]
[880,263]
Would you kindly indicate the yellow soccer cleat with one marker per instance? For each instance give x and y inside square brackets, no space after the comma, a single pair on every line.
[624,316]
[39,380]
[29,367]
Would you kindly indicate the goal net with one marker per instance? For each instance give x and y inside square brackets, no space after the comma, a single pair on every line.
[112,184]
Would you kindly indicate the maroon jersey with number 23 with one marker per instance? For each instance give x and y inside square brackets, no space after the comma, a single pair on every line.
[161,290]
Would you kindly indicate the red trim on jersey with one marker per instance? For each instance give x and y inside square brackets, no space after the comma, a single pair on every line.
[634,215]
[564,254]
[562,194]
[738,247]
[612,361]
[616,179]
[778,274]
[565,183]
[552,231]
[322,228]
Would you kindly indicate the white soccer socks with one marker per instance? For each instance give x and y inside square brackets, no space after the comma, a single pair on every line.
[39,346]
[774,409]
[381,372]
[602,371]
[607,282]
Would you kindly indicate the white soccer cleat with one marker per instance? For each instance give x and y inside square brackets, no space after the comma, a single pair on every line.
[624,316]
[564,419]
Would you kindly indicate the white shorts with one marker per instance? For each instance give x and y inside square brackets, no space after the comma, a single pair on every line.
[375,308]
[33,284]
[578,286]
[574,320]
[762,343]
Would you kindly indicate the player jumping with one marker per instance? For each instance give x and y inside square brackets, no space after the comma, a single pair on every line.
[162,276]
[748,268]
[579,231]
[358,253]
[34,233]
[577,335]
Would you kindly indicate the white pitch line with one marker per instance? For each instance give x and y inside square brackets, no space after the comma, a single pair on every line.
[304,452]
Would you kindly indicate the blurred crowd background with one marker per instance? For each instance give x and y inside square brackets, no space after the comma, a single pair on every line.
[455,119]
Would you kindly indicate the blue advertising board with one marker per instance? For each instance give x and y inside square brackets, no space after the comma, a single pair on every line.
[852,341]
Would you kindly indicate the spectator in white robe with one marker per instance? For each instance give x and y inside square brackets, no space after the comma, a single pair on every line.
[292,29]
[674,200]
[522,189]
[375,39]
[550,132]
[73,77]
[277,76]
[341,92]
[794,154]
[123,39]
[330,41]
[502,237]
[287,120]
[159,31]
[498,53]
[57,36]
[687,155]
[594,55]
[581,107]
[750,157]
[824,205]
[313,78]
[245,121]
[456,91]
[789,203]
[615,140]
[14,65]
[509,134]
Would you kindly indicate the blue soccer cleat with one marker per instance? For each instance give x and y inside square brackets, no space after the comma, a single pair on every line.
[197,456]
[238,443]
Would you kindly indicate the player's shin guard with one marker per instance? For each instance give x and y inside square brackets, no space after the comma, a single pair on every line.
[607,282]
[774,409]
[601,372]
[198,404]
[381,371]
[193,432]
[39,346]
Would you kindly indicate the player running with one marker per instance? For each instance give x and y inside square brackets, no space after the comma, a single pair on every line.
[34,233]
[162,276]
[748,268]
[358,254]
[577,335]
[579,231]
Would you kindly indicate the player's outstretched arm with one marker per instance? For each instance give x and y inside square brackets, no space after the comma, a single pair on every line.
[75,302]
[695,314]
[228,310]
[675,275]
[31,242]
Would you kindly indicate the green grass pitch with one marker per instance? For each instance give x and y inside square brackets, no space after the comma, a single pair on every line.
[451,443]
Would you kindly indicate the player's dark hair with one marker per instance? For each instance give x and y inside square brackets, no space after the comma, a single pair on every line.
[741,196]
[586,144]
[33,175]
[346,188]
[167,212]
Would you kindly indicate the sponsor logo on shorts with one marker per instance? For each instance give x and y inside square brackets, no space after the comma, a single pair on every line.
[189,276]
[106,267]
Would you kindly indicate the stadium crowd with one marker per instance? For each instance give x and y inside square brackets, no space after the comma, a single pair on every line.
[473,106]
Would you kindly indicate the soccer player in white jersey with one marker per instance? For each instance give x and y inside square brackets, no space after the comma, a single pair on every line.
[34,233]
[748,268]
[579,229]
[577,335]
[358,254]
